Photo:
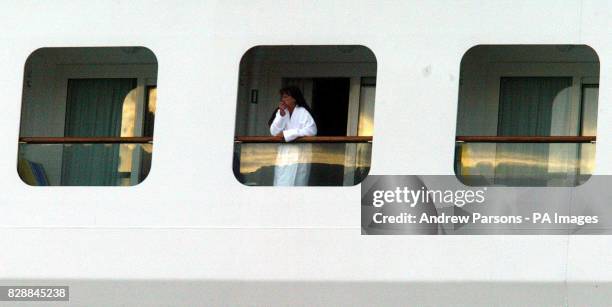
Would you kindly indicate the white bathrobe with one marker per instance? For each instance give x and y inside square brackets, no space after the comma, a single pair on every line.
[293,160]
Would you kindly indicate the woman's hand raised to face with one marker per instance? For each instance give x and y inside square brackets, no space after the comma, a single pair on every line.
[282,107]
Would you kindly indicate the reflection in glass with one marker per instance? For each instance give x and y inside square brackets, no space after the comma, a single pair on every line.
[149,111]
[514,164]
[128,127]
[366,107]
[329,164]
[128,114]
[89,164]
[590,95]
[530,106]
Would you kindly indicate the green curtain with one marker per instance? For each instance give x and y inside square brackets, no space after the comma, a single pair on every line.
[93,109]
[527,107]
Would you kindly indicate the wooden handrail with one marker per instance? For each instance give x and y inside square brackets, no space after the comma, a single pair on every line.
[310,139]
[526,139]
[85,140]
[306,139]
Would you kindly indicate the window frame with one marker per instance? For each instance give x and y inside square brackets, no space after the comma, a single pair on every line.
[581,73]
[145,75]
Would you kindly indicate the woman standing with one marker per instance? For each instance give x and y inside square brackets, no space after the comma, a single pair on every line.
[293,119]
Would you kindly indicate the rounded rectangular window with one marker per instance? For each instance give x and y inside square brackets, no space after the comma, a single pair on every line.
[527,115]
[305,115]
[87,116]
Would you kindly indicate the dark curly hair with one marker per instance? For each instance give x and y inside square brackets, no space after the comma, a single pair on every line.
[296,93]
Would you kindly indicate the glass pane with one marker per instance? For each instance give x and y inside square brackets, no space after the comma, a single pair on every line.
[302,164]
[524,164]
[590,95]
[149,112]
[366,110]
[84,164]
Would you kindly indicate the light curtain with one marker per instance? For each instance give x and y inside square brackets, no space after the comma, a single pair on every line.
[94,109]
[535,106]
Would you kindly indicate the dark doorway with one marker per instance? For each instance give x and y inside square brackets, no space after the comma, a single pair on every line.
[330,101]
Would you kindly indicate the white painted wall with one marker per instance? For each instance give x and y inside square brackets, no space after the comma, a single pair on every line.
[191,220]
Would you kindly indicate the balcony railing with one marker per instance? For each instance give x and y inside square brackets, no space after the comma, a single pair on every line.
[327,160]
[86,140]
[525,160]
[306,139]
[526,139]
[84,161]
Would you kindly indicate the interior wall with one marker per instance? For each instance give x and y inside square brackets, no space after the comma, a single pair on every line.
[43,106]
[482,66]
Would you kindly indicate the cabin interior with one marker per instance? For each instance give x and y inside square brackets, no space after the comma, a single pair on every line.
[106,97]
[527,91]
[339,84]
